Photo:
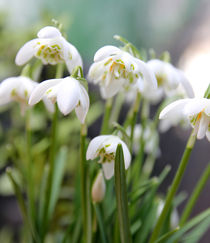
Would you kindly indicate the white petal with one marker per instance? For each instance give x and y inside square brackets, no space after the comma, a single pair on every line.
[68,95]
[203,126]
[173,109]
[127,155]
[186,84]
[48,104]
[108,169]
[195,106]
[208,135]
[105,52]
[148,74]
[49,32]
[6,88]
[26,52]
[83,108]
[71,56]
[94,145]
[112,89]
[40,90]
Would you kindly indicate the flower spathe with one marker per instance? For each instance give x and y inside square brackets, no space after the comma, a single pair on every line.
[51,47]
[105,147]
[114,69]
[197,110]
[19,89]
[68,92]
[99,188]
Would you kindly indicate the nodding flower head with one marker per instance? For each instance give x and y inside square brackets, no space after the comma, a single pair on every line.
[51,48]
[197,110]
[105,147]
[115,69]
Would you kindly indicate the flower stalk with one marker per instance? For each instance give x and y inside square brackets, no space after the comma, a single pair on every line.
[106,118]
[85,188]
[173,189]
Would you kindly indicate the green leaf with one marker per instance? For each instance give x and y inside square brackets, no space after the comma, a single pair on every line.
[188,226]
[121,196]
[58,173]
[166,236]
[207,93]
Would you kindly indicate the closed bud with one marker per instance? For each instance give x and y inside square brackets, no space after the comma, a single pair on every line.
[98,188]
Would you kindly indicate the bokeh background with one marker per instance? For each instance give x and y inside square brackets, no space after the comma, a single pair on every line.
[181,27]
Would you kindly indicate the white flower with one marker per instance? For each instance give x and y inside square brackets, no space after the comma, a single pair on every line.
[98,188]
[105,147]
[171,82]
[19,89]
[51,48]
[197,110]
[115,70]
[68,93]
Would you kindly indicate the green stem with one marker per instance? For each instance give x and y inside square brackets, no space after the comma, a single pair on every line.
[105,124]
[85,188]
[117,108]
[134,117]
[100,223]
[30,178]
[191,202]
[173,189]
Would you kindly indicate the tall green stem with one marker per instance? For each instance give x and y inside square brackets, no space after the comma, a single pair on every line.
[173,189]
[105,124]
[199,187]
[85,188]
[30,178]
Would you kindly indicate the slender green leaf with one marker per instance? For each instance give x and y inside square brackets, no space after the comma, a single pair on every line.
[121,196]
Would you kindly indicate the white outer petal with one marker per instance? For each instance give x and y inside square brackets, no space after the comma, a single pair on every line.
[112,89]
[68,95]
[40,90]
[186,84]
[127,155]
[6,87]
[71,51]
[208,135]
[195,106]
[83,108]
[203,126]
[173,109]
[94,145]
[49,32]
[26,52]
[105,52]
[147,72]
[108,169]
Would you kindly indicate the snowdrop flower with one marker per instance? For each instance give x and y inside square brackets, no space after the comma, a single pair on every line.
[98,188]
[105,147]
[19,89]
[171,82]
[68,93]
[51,48]
[114,70]
[197,110]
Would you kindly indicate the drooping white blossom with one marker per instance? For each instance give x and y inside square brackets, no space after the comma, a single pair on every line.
[19,89]
[114,70]
[171,82]
[68,92]
[105,147]
[197,111]
[51,47]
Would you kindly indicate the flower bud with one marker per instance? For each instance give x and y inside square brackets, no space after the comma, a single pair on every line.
[98,188]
